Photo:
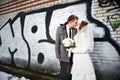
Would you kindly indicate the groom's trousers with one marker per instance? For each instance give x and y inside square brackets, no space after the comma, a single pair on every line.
[65,72]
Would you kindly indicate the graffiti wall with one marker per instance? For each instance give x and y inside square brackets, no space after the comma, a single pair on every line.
[28,40]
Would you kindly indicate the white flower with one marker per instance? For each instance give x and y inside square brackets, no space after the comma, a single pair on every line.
[68,43]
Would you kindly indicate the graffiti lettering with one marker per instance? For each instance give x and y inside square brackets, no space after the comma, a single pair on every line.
[116,4]
[12,56]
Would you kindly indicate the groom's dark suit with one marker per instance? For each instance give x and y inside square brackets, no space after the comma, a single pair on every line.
[61,52]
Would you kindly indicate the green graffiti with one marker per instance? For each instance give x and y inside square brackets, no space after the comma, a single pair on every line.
[114,23]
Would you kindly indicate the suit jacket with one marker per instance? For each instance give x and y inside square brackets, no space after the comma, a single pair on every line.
[60,50]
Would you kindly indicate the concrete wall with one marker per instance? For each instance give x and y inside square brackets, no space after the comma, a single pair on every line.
[28,28]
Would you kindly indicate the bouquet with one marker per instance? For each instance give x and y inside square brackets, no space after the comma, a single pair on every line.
[69,44]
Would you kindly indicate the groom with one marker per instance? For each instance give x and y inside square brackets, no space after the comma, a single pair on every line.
[61,53]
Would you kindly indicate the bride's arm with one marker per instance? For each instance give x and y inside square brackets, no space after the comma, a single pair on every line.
[90,37]
[79,51]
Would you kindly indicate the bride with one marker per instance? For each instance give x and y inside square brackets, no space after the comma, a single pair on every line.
[82,68]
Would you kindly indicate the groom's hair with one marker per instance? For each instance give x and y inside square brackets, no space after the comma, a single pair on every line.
[72,18]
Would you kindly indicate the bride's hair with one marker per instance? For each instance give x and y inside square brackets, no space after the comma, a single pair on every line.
[82,24]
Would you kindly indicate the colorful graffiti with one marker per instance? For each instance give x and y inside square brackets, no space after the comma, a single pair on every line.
[108,3]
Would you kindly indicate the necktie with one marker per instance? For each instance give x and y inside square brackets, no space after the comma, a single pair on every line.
[70,33]
[70,36]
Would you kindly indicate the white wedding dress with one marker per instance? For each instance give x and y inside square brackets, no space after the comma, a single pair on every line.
[82,68]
